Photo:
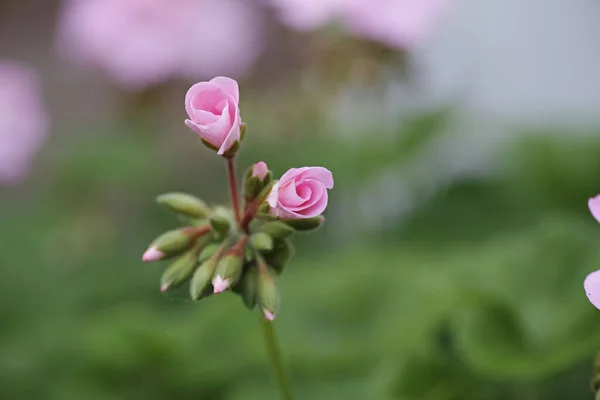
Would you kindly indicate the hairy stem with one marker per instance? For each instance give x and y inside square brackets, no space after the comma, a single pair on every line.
[275,358]
[233,189]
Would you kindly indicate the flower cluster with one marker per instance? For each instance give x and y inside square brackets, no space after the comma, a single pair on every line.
[140,43]
[238,249]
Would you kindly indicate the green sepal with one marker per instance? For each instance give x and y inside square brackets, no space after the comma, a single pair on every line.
[242,131]
[179,271]
[201,286]
[247,287]
[172,241]
[266,217]
[276,229]
[305,224]
[207,252]
[184,204]
[219,224]
[262,241]
[266,190]
[230,267]
[254,186]
[267,291]
[282,252]
[210,146]
[232,150]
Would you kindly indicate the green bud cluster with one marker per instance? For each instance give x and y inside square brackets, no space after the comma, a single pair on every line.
[214,253]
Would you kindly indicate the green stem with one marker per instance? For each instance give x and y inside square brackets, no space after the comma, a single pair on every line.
[275,359]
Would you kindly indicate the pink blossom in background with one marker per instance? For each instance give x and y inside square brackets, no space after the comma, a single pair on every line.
[301,193]
[307,15]
[23,120]
[144,42]
[396,23]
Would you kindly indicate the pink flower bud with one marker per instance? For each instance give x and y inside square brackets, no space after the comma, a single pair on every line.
[164,288]
[594,206]
[301,193]
[592,288]
[214,114]
[152,254]
[268,315]
[220,284]
[260,170]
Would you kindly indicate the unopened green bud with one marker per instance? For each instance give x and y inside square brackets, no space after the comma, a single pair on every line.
[207,252]
[179,271]
[200,284]
[277,229]
[267,294]
[219,224]
[248,287]
[256,178]
[228,272]
[184,204]
[262,241]
[167,244]
[305,224]
[282,252]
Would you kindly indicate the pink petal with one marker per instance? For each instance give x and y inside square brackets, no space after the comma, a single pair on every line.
[229,86]
[268,315]
[234,132]
[220,284]
[320,174]
[592,288]
[193,91]
[274,195]
[291,174]
[152,254]
[594,206]
[211,100]
[288,195]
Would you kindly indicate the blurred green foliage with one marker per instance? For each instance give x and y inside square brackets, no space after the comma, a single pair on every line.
[476,296]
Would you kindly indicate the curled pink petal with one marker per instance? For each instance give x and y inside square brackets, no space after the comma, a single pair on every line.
[229,86]
[594,206]
[592,288]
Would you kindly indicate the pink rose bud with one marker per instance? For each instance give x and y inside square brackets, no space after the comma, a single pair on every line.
[260,170]
[592,288]
[301,193]
[214,113]
[594,206]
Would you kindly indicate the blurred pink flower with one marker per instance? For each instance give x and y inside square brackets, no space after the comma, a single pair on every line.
[145,42]
[396,23]
[301,193]
[23,120]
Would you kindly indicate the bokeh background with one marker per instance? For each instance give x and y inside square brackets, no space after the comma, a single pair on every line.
[463,136]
